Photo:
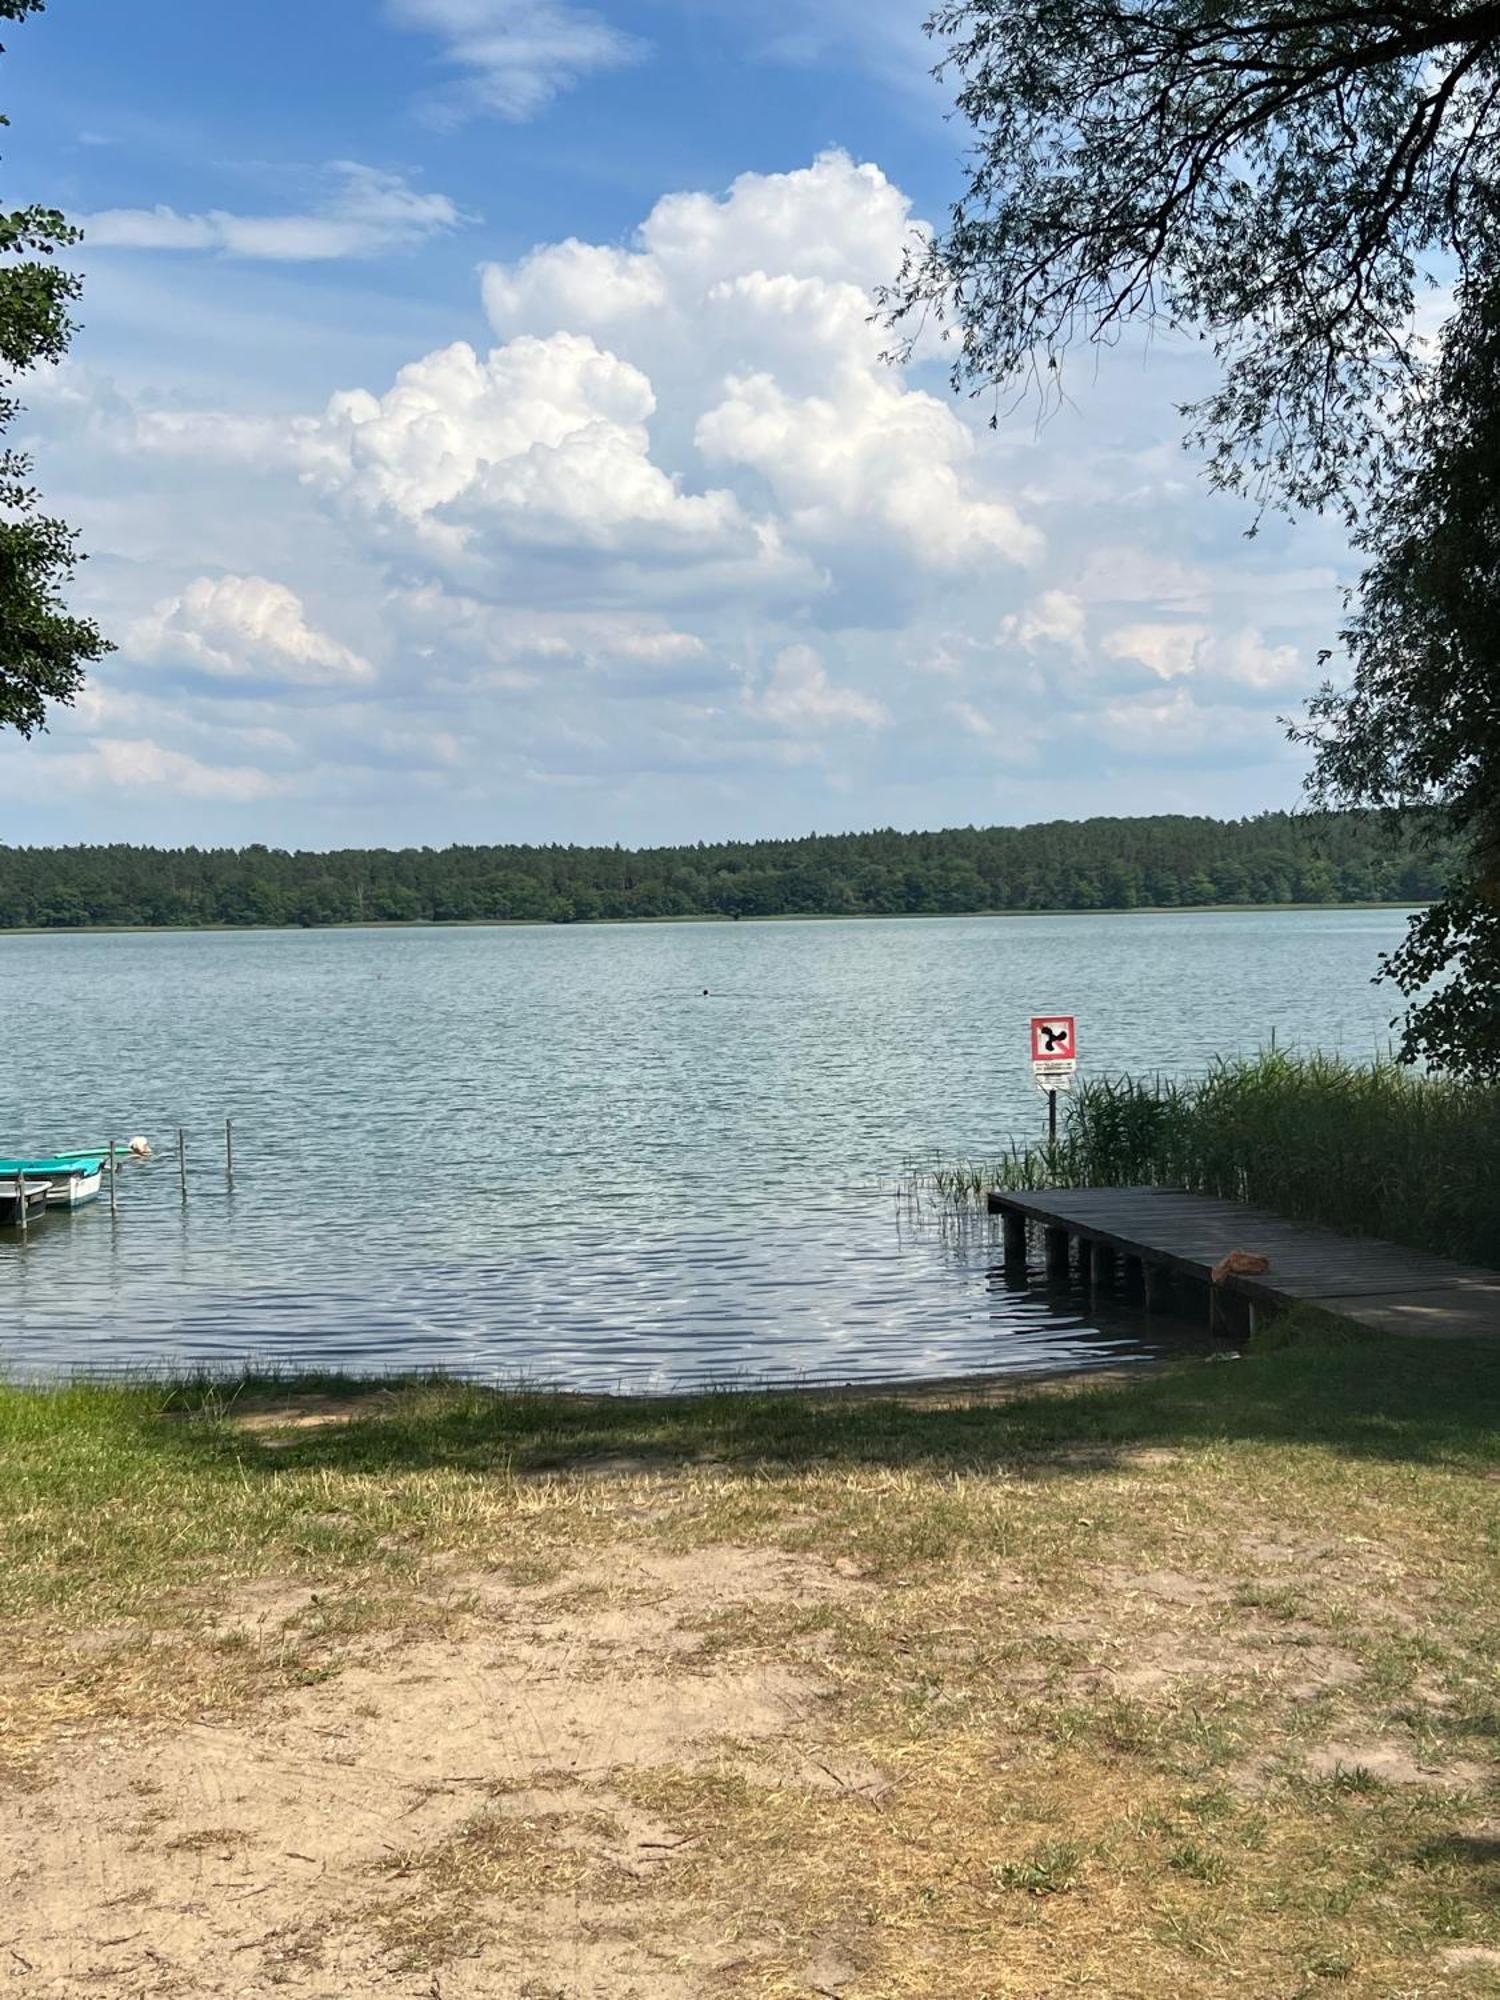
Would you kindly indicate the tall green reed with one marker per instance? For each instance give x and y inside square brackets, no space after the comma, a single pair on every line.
[1372,1148]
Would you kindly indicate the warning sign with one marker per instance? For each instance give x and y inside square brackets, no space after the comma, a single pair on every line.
[1054,1042]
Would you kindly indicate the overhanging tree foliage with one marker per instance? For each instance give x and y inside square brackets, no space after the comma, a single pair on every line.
[1278,175]
[1420,718]
[1283,177]
[43,650]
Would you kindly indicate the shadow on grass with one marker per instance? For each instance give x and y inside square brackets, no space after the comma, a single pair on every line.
[1371,1398]
[1464,1851]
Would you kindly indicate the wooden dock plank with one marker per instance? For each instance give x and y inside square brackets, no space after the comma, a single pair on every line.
[1376,1283]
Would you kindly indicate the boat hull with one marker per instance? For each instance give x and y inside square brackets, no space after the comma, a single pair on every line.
[10,1204]
[73,1190]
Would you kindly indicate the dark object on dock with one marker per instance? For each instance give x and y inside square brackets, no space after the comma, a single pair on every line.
[1239,1264]
[1182,1246]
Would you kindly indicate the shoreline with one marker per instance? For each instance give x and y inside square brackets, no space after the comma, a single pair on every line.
[362,1390]
[617,923]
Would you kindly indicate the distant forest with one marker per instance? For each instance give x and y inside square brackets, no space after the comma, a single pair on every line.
[1097,864]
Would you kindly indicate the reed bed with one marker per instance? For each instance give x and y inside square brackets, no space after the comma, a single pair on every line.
[1372,1148]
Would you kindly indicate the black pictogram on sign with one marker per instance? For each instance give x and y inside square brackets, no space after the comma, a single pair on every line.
[1054,1038]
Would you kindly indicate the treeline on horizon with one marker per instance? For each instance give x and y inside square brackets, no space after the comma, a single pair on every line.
[1097,864]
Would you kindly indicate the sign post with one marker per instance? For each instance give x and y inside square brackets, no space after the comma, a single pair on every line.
[1054,1061]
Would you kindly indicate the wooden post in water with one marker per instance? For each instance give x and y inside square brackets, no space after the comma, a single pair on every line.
[182,1161]
[229,1150]
[113,1195]
[1101,1266]
[1058,1262]
[1015,1241]
[21,1202]
[1158,1286]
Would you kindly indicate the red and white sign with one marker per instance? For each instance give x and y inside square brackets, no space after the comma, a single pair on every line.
[1054,1041]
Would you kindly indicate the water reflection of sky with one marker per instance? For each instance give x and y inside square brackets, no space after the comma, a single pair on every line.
[544,1153]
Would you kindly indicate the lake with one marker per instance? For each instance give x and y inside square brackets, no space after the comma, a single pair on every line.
[546,1154]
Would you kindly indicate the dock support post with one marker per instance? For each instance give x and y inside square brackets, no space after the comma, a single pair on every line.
[229,1150]
[113,1191]
[182,1162]
[1058,1249]
[1101,1267]
[1015,1241]
[1158,1286]
[1133,1275]
[1230,1316]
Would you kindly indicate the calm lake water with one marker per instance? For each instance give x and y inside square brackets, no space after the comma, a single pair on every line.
[543,1153]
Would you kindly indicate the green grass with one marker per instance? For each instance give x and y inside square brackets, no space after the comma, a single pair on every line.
[111,1495]
[1372,1148]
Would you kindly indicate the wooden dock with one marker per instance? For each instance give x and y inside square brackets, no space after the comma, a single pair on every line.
[1162,1245]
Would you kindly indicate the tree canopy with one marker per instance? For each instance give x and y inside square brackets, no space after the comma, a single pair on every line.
[1277,175]
[1115,864]
[1419,720]
[43,650]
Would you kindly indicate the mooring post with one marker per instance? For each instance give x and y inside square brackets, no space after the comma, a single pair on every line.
[1015,1241]
[1229,1315]
[182,1162]
[1158,1286]
[113,1196]
[229,1150]
[21,1202]
[1058,1252]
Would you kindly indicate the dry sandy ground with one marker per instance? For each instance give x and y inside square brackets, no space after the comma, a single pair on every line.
[1009,1736]
[468,1814]
[329,1843]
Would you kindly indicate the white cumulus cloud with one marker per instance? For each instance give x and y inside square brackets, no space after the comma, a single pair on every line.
[678,541]
[758,309]
[836,220]
[543,441]
[244,628]
[365,214]
[869,455]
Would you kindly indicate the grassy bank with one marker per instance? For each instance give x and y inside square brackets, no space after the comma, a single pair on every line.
[1373,1148]
[1177,1683]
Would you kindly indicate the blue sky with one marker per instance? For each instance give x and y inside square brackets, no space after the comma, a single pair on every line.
[479,433]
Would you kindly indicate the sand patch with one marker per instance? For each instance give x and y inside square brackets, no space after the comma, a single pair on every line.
[1468,1957]
[298,1412]
[1167,1586]
[1393,1763]
[1318,1670]
[233,1857]
[263,1610]
[1289,1545]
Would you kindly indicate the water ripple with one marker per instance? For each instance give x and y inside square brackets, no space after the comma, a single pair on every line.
[543,1154]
